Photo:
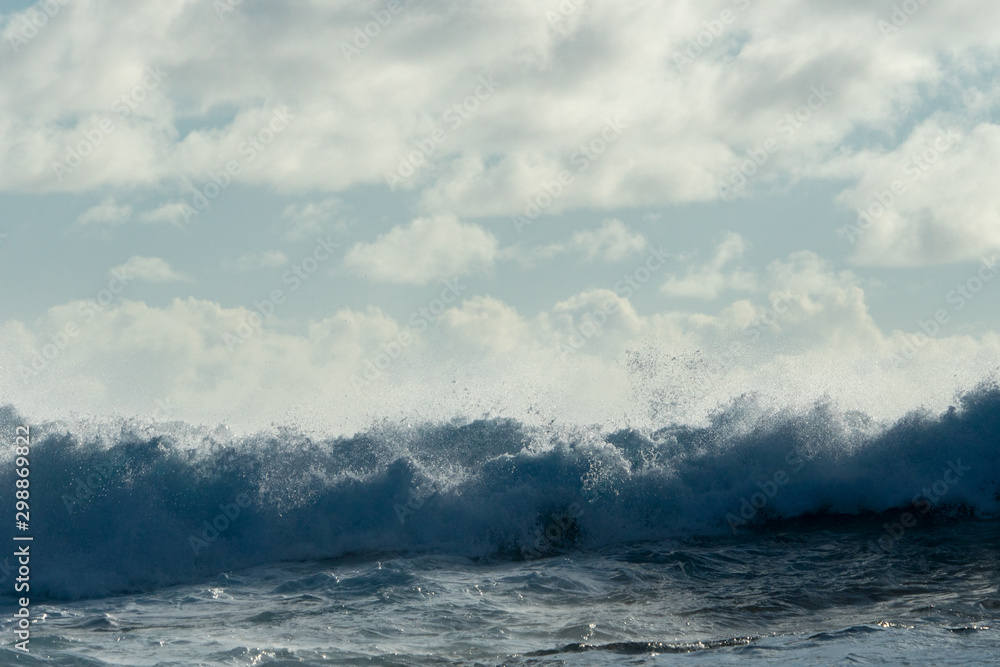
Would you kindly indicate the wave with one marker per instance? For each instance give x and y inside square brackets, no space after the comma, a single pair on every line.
[119,507]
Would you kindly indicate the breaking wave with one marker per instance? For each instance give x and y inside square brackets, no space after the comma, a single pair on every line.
[120,507]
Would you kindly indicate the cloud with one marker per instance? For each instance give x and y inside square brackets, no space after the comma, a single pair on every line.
[923,202]
[602,112]
[172,213]
[597,323]
[561,86]
[486,322]
[611,242]
[814,304]
[108,213]
[710,280]
[269,259]
[588,358]
[149,269]
[304,220]
[427,250]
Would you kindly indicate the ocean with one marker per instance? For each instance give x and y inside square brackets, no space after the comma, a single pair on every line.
[762,536]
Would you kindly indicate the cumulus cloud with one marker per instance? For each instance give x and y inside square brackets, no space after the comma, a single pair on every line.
[808,303]
[611,242]
[108,213]
[923,202]
[149,269]
[589,357]
[426,250]
[710,280]
[171,213]
[310,218]
[595,322]
[487,322]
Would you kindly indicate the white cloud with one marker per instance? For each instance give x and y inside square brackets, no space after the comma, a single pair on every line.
[687,130]
[486,322]
[814,304]
[542,140]
[269,259]
[924,202]
[305,220]
[171,213]
[426,250]
[108,212]
[710,280]
[150,269]
[482,355]
[596,322]
[611,242]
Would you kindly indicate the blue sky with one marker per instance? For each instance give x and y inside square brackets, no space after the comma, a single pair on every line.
[159,183]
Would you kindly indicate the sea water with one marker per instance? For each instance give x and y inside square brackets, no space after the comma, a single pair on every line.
[762,537]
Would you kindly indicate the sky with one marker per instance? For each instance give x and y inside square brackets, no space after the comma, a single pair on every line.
[328,213]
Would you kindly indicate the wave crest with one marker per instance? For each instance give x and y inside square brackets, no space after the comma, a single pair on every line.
[117,507]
